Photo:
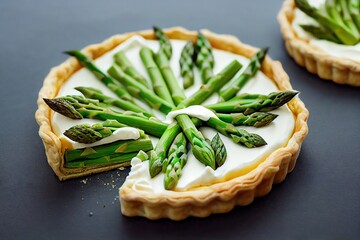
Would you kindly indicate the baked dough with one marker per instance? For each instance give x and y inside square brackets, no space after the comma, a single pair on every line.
[339,70]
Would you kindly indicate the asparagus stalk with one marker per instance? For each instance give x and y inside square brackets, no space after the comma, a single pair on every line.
[343,33]
[219,149]
[204,58]
[123,62]
[256,119]
[346,16]
[334,11]
[79,107]
[177,94]
[108,81]
[142,156]
[120,103]
[155,75]
[117,148]
[264,103]
[201,149]
[139,91]
[175,162]
[158,155]
[354,8]
[239,136]
[84,133]
[321,33]
[213,85]
[105,160]
[250,71]
[165,45]
[187,65]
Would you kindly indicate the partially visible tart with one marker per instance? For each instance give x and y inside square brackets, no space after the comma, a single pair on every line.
[200,200]
[320,60]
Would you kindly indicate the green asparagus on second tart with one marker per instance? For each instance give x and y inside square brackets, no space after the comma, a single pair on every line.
[343,32]
[320,32]
[187,65]
[204,58]
[347,19]
[354,8]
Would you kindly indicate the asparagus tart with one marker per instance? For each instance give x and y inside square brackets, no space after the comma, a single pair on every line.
[324,37]
[205,122]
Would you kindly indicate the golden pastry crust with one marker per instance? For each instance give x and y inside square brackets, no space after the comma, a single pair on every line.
[222,197]
[339,70]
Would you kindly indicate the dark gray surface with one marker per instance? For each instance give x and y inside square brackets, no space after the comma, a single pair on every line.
[319,200]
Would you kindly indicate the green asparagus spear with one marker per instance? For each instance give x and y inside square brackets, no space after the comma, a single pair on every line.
[241,136]
[139,91]
[120,103]
[111,149]
[256,119]
[108,81]
[143,156]
[342,32]
[204,58]
[84,133]
[201,149]
[176,161]
[187,65]
[354,8]
[250,71]
[334,11]
[213,85]
[177,94]
[346,16]
[264,103]
[147,56]
[158,155]
[219,149]
[105,160]
[125,64]
[321,33]
[165,45]
[85,108]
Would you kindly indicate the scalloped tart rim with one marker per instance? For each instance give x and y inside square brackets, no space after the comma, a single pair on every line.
[339,70]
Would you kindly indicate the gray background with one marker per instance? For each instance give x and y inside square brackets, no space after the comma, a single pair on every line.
[319,200]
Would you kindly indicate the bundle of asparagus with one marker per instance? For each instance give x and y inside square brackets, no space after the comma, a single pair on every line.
[170,153]
[339,22]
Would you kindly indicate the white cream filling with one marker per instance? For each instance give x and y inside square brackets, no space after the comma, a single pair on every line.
[194,173]
[333,49]
[197,111]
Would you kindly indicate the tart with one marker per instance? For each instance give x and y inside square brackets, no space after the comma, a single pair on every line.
[315,57]
[200,196]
